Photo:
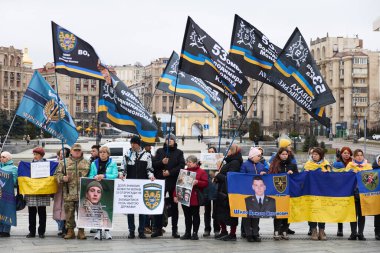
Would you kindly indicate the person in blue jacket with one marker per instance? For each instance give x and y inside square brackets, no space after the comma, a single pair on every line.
[103,168]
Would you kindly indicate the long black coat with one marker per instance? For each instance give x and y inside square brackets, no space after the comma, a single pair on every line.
[175,164]
[222,212]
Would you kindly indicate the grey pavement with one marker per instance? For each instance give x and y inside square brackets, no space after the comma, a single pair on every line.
[299,242]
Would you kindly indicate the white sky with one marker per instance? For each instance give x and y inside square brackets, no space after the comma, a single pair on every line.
[124,32]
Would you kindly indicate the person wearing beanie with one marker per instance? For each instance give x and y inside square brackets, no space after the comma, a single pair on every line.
[167,163]
[250,226]
[137,164]
[284,143]
[262,160]
[37,203]
[69,177]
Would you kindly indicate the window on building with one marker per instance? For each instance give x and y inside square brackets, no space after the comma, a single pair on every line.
[164,99]
[171,99]
[360,60]
[77,87]
[164,109]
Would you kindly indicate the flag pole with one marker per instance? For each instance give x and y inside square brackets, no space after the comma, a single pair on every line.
[101,83]
[221,121]
[9,130]
[151,100]
[241,122]
[171,115]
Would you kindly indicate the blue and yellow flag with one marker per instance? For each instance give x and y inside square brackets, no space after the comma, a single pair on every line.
[190,87]
[40,107]
[7,199]
[369,191]
[36,186]
[256,196]
[322,197]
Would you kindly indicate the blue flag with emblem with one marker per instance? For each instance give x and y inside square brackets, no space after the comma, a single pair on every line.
[40,107]
[7,199]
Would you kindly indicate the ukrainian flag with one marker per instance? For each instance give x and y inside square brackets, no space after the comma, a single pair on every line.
[322,197]
[369,191]
[36,186]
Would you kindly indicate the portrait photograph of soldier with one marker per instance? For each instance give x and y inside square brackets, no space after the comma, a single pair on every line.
[96,204]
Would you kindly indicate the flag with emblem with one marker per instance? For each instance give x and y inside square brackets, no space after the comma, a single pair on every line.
[73,56]
[190,87]
[203,57]
[369,191]
[42,107]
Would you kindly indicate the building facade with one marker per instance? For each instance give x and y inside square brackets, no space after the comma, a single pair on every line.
[130,74]
[15,74]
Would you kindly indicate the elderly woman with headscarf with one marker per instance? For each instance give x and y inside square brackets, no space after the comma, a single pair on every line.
[6,164]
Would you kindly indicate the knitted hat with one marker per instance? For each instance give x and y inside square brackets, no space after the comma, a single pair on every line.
[172,137]
[94,184]
[253,152]
[284,143]
[135,139]
[39,150]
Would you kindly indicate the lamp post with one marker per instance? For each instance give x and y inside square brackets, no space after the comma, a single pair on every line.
[365,125]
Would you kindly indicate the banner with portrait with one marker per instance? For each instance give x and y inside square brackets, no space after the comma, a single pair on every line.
[184,186]
[210,160]
[96,203]
[255,196]
[139,196]
[369,191]
[7,199]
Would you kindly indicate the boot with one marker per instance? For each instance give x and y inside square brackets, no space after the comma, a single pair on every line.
[340,229]
[322,235]
[70,234]
[81,234]
[175,233]
[314,234]
[156,233]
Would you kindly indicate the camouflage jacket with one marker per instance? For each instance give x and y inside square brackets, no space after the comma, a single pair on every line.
[75,168]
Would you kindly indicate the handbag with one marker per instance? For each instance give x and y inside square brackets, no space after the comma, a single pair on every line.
[202,198]
[20,201]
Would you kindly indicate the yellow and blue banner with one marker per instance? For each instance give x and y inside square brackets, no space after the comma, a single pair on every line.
[73,56]
[36,186]
[255,196]
[322,197]
[42,106]
[190,87]
[203,57]
[7,199]
[119,106]
[369,191]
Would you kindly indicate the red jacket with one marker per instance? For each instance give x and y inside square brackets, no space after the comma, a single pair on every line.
[202,178]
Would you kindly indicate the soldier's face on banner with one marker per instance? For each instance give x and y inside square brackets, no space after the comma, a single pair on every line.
[259,187]
[94,194]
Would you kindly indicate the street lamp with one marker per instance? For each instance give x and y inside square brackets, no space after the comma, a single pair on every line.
[365,125]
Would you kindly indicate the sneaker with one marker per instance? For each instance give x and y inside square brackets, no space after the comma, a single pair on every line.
[107,235]
[194,236]
[284,236]
[221,235]
[276,236]
[97,235]
[229,238]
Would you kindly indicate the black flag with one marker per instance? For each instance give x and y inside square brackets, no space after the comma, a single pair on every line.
[295,67]
[203,57]
[190,87]
[73,56]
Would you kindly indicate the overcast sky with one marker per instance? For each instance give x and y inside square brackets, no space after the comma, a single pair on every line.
[124,32]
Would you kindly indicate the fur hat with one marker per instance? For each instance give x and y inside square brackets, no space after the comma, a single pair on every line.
[253,152]
[39,150]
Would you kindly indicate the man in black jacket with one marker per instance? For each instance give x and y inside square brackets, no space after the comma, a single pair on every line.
[167,163]
[137,165]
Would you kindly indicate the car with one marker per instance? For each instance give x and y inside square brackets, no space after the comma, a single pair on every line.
[118,149]
[376,137]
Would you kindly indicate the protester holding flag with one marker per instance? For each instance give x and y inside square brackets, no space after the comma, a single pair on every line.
[318,162]
[282,164]
[103,168]
[233,163]
[192,218]
[254,166]
[376,165]
[37,203]
[359,163]
[69,176]
[6,164]
[167,163]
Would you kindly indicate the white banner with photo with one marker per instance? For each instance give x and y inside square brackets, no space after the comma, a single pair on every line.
[139,196]
[184,186]
[210,160]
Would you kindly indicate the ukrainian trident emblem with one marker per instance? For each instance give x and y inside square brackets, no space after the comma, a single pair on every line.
[152,195]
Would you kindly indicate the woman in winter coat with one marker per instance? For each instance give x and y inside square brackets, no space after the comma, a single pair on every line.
[233,163]
[282,163]
[6,164]
[192,217]
[359,163]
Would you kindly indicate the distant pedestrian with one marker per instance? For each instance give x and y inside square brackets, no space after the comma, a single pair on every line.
[199,138]
[183,140]
[27,139]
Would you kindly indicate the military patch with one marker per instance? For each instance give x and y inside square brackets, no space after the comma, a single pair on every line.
[152,195]
[280,183]
[66,40]
[370,180]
